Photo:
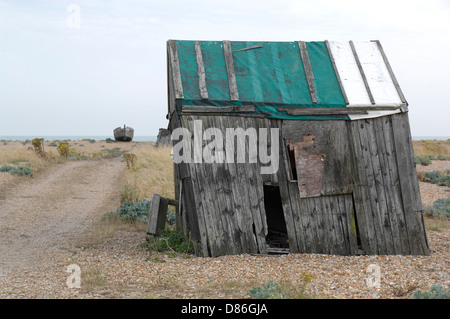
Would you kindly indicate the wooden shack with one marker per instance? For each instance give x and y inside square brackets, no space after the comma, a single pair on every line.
[335,120]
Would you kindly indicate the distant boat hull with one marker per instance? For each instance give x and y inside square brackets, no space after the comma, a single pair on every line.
[124,134]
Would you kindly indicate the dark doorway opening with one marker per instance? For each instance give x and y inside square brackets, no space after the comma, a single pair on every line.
[277,237]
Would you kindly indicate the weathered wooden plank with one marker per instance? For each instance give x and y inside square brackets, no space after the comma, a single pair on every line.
[323,111]
[170,89]
[409,185]
[380,125]
[257,46]
[327,111]
[234,95]
[380,185]
[157,215]
[255,190]
[329,231]
[215,231]
[337,236]
[363,76]
[289,202]
[391,72]
[306,213]
[192,211]
[241,195]
[199,200]
[374,197]
[220,187]
[363,209]
[308,70]
[395,182]
[175,63]
[341,232]
[299,215]
[217,109]
[351,224]
[201,71]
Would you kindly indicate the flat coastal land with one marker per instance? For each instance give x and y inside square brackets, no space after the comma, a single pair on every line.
[52,207]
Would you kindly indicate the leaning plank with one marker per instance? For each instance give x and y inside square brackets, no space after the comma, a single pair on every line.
[380,126]
[396,191]
[230,70]
[376,152]
[372,181]
[308,70]
[409,185]
[157,215]
[203,247]
[217,109]
[354,110]
[201,71]
[351,224]
[363,210]
[289,202]
[176,70]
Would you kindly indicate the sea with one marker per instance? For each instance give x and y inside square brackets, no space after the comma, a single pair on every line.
[74,138]
[145,138]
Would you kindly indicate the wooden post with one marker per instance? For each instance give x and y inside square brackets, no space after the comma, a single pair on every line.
[158,214]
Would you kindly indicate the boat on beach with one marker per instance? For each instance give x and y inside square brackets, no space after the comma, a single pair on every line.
[123,134]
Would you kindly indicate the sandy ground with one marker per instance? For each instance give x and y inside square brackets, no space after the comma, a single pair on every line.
[43,218]
[45,213]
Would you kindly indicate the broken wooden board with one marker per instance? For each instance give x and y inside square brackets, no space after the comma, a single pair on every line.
[157,214]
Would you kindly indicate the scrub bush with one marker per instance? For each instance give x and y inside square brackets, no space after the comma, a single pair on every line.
[440,208]
[435,292]
[19,170]
[170,240]
[132,212]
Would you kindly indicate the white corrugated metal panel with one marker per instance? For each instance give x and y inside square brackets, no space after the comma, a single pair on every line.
[365,77]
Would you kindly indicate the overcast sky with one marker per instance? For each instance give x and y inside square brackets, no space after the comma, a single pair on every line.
[85,67]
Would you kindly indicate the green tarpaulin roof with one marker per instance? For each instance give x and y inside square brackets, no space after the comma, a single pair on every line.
[272,76]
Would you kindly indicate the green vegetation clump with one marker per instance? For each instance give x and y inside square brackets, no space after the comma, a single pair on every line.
[440,208]
[110,140]
[64,149]
[132,212]
[130,159]
[170,240]
[438,178]
[38,145]
[109,153]
[435,292]
[269,290]
[273,290]
[19,170]
[422,160]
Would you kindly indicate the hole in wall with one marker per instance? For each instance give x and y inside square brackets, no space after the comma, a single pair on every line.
[277,237]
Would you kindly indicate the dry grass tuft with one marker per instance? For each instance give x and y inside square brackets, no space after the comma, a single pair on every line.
[19,154]
[152,174]
[432,148]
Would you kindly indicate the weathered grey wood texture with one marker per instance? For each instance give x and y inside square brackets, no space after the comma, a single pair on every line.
[369,199]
